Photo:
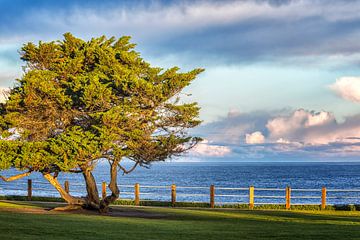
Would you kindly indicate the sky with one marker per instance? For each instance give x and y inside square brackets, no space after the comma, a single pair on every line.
[281,80]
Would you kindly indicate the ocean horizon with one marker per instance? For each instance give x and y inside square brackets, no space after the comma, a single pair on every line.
[273,175]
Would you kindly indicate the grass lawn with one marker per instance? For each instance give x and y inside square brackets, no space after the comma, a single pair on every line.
[28,220]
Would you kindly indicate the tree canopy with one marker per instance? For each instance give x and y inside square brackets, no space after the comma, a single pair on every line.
[80,101]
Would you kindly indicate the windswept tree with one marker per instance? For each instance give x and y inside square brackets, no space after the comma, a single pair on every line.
[80,102]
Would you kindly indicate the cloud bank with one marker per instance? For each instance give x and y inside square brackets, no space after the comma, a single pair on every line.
[287,135]
[212,31]
[206,149]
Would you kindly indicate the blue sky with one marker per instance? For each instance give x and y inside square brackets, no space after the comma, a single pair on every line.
[282,79]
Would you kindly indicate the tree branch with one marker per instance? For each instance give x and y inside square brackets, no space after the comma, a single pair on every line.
[66,196]
[16,177]
[130,170]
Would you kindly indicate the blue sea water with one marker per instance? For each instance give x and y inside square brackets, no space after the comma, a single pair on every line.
[299,176]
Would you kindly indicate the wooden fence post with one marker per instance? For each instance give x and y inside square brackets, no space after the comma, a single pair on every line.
[212,196]
[173,195]
[29,189]
[137,194]
[103,190]
[323,198]
[251,197]
[287,197]
[66,186]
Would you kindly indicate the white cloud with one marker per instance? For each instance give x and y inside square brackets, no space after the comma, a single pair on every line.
[205,149]
[284,126]
[254,138]
[283,141]
[311,127]
[347,88]
[315,119]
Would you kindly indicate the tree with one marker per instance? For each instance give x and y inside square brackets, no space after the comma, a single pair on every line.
[82,101]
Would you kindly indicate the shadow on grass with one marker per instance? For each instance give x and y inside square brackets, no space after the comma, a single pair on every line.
[308,215]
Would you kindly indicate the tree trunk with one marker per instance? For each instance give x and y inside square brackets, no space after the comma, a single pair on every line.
[93,200]
[72,201]
[115,192]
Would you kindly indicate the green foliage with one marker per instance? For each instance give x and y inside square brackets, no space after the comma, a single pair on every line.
[8,153]
[79,101]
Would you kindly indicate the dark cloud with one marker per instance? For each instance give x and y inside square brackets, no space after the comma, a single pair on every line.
[263,40]
[208,31]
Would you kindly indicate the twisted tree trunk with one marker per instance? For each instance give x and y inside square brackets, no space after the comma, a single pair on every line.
[93,200]
[115,192]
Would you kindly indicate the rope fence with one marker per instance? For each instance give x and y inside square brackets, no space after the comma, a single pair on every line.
[236,195]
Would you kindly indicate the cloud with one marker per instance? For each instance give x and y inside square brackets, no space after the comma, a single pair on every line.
[233,128]
[254,138]
[347,88]
[310,127]
[285,134]
[283,141]
[205,149]
[301,125]
[212,31]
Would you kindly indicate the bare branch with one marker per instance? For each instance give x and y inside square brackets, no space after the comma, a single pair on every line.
[130,170]
[16,177]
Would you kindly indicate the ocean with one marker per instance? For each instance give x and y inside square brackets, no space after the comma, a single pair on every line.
[194,179]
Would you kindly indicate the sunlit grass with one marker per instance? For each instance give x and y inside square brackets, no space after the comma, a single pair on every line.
[18,205]
[168,223]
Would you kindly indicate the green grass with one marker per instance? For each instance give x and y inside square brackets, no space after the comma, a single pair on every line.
[167,223]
